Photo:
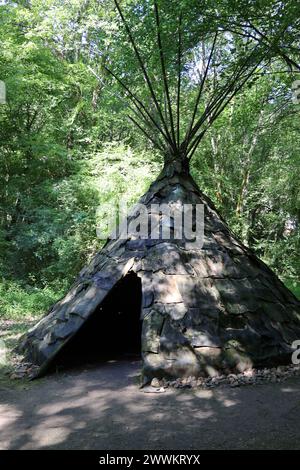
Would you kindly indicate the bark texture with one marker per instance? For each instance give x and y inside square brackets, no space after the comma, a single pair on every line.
[218,307]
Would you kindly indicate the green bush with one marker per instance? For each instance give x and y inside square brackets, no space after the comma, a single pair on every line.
[18,301]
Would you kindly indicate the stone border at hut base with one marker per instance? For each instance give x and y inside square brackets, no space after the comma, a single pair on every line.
[24,370]
[248,377]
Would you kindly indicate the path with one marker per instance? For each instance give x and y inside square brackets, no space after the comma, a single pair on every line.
[102,408]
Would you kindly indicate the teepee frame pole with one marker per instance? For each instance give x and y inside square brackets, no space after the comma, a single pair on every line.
[220,106]
[164,122]
[139,114]
[179,77]
[155,143]
[164,72]
[137,102]
[148,81]
[224,92]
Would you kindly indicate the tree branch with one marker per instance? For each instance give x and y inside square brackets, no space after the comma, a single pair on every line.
[164,72]
[200,91]
[155,143]
[179,78]
[142,66]
[136,100]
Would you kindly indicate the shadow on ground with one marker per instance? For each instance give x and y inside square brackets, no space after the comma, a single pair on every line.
[102,408]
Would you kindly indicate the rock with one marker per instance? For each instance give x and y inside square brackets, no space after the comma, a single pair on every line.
[155,382]
[164,382]
[18,375]
[22,369]
[194,383]
[14,376]
[249,377]
[249,380]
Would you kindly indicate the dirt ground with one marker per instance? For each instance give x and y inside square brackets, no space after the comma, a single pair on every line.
[101,407]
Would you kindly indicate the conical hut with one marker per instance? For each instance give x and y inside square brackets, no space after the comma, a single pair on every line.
[190,308]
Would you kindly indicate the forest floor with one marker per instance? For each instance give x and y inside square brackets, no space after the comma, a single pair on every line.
[101,407]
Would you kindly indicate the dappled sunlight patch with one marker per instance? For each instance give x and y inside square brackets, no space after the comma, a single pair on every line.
[205,414]
[141,407]
[60,420]
[49,436]
[225,401]
[101,409]
[62,406]
[184,397]
[206,394]
[289,389]
[8,415]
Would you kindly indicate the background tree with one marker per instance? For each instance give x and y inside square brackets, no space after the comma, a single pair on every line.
[63,109]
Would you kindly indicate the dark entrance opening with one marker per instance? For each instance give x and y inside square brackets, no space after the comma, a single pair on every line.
[113,331]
